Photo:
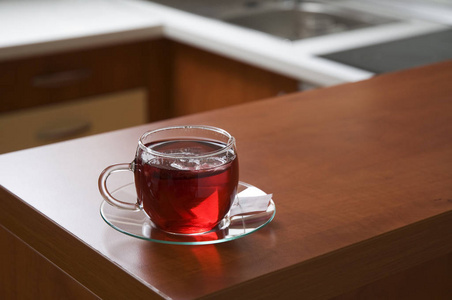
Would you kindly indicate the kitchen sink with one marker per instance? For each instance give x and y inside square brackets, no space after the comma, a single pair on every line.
[286,19]
[299,20]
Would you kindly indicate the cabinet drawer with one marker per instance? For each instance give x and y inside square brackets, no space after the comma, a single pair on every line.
[40,126]
[59,77]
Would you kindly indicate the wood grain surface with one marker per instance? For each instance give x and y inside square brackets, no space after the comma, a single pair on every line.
[60,77]
[361,176]
[25,274]
[203,81]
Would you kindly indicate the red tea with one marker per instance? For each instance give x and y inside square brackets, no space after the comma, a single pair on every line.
[186,195]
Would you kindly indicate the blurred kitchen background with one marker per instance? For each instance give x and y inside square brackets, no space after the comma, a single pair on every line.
[70,69]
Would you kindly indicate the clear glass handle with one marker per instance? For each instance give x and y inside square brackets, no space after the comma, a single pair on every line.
[104,190]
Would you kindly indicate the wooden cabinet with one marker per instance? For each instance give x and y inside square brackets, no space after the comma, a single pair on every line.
[26,274]
[59,96]
[173,79]
[52,123]
[203,81]
[61,77]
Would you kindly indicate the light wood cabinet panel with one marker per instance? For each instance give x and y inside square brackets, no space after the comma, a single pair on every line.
[58,122]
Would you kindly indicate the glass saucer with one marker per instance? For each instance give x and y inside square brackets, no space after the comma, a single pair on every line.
[137,224]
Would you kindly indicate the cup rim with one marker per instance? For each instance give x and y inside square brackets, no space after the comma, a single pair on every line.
[229,145]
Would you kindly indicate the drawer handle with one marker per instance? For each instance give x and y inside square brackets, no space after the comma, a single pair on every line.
[64,130]
[60,79]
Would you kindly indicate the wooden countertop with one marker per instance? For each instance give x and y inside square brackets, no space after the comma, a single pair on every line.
[361,175]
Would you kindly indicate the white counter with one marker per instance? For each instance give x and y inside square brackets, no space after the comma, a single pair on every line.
[45,26]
